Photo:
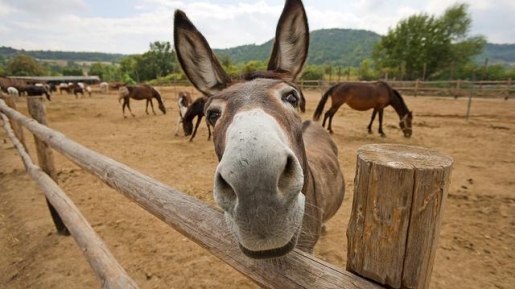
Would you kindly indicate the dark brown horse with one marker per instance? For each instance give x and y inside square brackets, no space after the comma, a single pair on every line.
[184,101]
[196,109]
[140,92]
[33,90]
[364,96]
[278,178]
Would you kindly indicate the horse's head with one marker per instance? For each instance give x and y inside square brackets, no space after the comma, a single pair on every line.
[405,124]
[257,135]
[187,126]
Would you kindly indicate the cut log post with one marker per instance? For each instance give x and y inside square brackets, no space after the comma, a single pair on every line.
[45,156]
[399,198]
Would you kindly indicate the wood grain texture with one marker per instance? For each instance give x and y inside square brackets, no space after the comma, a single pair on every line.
[399,195]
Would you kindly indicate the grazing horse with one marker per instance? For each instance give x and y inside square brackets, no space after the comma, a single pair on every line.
[12,91]
[184,101]
[278,178]
[196,109]
[139,92]
[364,96]
[33,90]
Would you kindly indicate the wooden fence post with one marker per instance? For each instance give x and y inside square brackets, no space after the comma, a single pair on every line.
[457,93]
[508,89]
[15,125]
[417,85]
[45,156]
[399,197]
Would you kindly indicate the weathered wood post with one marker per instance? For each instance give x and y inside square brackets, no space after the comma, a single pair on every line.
[508,89]
[399,197]
[417,86]
[458,89]
[45,156]
[15,125]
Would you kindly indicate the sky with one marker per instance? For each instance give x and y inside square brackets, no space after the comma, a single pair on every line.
[129,26]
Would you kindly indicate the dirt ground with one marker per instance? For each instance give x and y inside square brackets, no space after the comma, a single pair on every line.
[477,240]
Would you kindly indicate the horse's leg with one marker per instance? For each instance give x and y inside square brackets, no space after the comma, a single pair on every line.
[129,105]
[146,106]
[371,121]
[381,123]
[123,108]
[152,106]
[330,113]
[177,128]
[199,118]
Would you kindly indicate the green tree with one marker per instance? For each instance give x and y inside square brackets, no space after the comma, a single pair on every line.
[24,65]
[424,40]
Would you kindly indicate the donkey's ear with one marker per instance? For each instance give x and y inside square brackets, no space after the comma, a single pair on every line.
[196,57]
[291,40]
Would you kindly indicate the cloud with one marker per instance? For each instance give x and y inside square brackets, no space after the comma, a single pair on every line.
[129,26]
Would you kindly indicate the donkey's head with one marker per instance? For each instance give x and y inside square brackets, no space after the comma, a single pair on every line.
[257,135]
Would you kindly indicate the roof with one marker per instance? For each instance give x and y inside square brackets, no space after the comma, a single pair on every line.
[67,78]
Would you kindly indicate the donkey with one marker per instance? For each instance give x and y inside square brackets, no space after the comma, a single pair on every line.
[278,179]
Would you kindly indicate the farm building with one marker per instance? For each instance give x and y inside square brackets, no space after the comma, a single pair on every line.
[22,80]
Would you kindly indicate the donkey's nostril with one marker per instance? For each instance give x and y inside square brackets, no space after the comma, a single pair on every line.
[224,193]
[288,182]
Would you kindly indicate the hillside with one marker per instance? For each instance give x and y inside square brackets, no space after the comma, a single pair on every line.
[8,52]
[342,47]
[498,53]
[338,47]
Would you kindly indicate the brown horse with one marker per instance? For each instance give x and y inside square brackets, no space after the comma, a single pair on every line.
[278,178]
[184,101]
[364,96]
[140,92]
[195,110]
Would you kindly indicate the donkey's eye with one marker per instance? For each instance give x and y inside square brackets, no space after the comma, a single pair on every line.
[213,116]
[292,98]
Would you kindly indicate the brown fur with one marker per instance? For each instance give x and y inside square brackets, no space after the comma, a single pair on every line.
[364,96]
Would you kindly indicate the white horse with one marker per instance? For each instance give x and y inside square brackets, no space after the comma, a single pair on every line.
[104,87]
[12,91]
[278,178]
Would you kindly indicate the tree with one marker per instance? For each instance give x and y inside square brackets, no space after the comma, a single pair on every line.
[24,65]
[426,40]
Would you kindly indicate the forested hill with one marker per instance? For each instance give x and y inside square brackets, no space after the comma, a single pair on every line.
[342,47]
[338,47]
[498,53]
[8,52]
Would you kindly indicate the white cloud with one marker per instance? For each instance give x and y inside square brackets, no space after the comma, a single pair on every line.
[74,25]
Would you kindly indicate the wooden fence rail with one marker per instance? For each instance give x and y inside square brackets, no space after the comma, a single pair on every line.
[420,214]
[106,268]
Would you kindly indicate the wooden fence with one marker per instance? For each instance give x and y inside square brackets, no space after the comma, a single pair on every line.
[399,197]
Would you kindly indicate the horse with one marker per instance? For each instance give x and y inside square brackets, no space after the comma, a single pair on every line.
[278,179]
[364,96]
[33,90]
[196,109]
[104,87]
[184,101]
[78,89]
[12,91]
[140,92]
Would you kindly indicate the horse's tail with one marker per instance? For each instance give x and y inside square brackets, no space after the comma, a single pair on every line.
[321,103]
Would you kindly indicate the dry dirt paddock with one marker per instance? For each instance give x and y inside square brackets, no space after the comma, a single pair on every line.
[477,242]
